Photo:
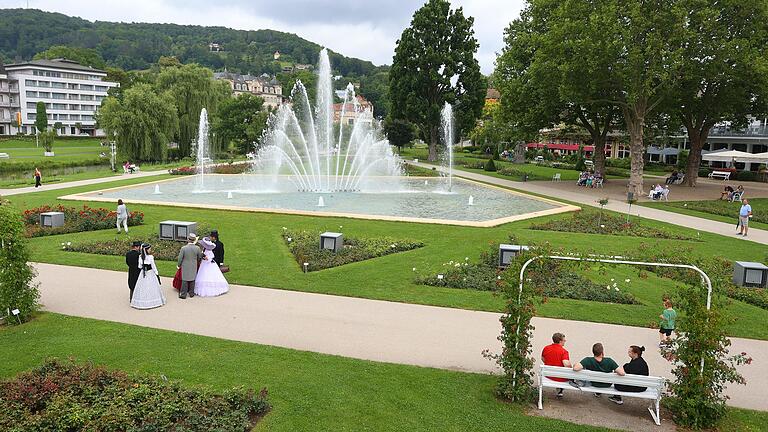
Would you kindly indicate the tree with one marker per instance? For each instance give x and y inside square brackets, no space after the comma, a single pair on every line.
[539,81]
[240,120]
[434,63]
[84,56]
[307,78]
[399,132]
[492,127]
[17,289]
[191,88]
[143,123]
[41,117]
[724,74]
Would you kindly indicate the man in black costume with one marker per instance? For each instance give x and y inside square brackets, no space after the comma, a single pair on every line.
[218,251]
[132,261]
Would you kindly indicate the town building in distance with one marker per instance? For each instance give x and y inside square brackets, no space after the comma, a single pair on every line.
[264,86]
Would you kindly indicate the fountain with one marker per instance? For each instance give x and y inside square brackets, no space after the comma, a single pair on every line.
[203,150]
[471,201]
[229,195]
[446,129]
[320,202]
[157,190]
[319,155]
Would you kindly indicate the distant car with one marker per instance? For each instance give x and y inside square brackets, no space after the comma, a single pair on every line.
[589,163]
[538,159]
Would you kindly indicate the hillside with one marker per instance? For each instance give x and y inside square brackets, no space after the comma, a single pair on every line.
[25,32]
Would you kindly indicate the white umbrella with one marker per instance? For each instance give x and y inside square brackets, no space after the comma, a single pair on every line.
[728,156]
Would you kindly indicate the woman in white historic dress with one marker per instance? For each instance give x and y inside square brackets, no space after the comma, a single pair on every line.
[148,294]
[209,281]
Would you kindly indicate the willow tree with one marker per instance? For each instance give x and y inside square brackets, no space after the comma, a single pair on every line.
[542,83]
[435,63]
[143,122]
[191,88]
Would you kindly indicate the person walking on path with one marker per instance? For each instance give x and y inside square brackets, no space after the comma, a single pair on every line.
[38,178]
[189,258]
[745,212]
[636,366]
[132,261]
[148,293]
[667,325]
[556,355]
[122,216]
[598,363]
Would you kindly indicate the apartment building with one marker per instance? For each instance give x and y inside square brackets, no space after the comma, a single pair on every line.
[72,94]
[9,103]
[264,86]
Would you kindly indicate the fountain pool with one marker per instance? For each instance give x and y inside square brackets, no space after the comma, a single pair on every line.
[399,198]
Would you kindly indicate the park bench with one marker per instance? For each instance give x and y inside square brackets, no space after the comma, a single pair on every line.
[679,180]
[654,385]
[725,175]
[4,156]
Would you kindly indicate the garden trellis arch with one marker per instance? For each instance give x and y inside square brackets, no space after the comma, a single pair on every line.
[608,260]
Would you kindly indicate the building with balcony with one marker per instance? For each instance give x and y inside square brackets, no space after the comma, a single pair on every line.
[9,103]
[72,94]
[264,86]
[348,113]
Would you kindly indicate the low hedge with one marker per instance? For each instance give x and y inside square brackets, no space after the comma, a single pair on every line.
[75,220]
[305,247]
[65,396]
[720,208]
[591,222]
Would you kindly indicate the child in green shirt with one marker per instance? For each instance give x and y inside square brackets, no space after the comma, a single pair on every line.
[667,325]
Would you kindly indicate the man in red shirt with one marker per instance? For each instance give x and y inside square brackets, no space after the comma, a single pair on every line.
[556,355]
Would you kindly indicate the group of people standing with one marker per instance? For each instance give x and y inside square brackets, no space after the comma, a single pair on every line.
[199,272]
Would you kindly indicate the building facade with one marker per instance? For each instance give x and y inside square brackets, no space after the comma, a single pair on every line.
[9,103]
[349,113]
[72,94]
[264,86]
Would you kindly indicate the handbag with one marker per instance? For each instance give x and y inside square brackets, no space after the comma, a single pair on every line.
[177,280]
[224,268]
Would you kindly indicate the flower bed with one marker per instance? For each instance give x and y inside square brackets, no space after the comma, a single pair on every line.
[486,276]
[305,247]
[590,222]
[65,396]
[167,250]
[75,220]
[720,208]
[217,169]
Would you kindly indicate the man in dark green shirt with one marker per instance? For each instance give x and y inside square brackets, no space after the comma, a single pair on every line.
[599,363]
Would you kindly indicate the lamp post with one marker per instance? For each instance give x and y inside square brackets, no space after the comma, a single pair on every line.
[113,154]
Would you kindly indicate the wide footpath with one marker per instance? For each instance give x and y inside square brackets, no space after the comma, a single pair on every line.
[359,328]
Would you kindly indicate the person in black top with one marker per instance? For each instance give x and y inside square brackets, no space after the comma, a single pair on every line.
[636,366]
[132,261]
[218,251]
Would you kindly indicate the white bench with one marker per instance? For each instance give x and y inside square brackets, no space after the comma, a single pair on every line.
[725,175]
[654,385]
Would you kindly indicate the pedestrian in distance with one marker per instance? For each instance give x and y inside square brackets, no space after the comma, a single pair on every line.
[667,324]
[38,178]
[122,216]
[745,212]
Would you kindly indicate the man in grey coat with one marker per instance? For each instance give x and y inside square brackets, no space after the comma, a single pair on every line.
[189,257]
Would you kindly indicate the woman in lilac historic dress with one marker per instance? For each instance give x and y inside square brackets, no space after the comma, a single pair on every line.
[209,281]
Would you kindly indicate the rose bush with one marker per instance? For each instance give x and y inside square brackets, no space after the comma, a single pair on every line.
[75,219]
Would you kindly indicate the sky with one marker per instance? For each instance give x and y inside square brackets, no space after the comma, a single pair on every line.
[356,28]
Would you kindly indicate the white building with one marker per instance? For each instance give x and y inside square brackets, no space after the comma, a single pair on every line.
[9,103]
[264,86]
[72,94]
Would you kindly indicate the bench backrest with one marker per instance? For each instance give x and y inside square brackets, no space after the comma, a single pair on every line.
[629,379]
[721,172]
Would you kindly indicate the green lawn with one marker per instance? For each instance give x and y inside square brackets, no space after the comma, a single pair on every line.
[23,150]
[308,391]
[258,256]
[718,210]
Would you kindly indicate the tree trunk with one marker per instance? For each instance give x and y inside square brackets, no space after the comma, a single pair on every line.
[697,137]
[433,138]
[598,155]
[635,128]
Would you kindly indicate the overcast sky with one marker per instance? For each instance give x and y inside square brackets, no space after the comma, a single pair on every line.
[367,29]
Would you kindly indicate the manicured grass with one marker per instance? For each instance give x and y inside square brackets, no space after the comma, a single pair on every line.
[258,256]
[716,210]
[24,150]
[308,391]
[28,180]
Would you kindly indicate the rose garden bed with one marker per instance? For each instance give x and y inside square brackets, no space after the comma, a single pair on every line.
[305,247]
[65,396]
[591,222]
[75,220]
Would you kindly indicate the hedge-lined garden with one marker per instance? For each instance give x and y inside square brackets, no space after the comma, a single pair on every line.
[75,219]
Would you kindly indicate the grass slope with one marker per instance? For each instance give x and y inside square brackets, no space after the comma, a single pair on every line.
[714,210]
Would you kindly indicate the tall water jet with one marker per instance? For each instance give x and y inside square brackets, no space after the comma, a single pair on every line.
[157,190]
[320,202]
[203,150]
[471,201]
[447,135]
[326,149]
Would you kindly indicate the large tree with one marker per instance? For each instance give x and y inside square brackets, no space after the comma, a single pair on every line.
[435,63]
[540,85]
[192,88]
[143,123]
[724,72]
[240,120]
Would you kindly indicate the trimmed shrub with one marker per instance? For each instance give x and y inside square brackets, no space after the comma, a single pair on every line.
[490,166]
[65,396]
[746,176]
[17,289]
[718,207]
[75,220]
[704,172]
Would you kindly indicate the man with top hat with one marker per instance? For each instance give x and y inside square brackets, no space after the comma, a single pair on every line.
[132,261]
[189,258]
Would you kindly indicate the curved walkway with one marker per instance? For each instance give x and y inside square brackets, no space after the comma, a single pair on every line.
[556,191]
[70,184]
[359,328]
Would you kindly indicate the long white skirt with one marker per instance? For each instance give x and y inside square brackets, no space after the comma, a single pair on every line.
[148,293]
[209,281]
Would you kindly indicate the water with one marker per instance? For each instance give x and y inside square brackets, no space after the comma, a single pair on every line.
[471,200]
[157,190]
[320,202]
[203,151]
[447,135]
[417,201]
[321,154]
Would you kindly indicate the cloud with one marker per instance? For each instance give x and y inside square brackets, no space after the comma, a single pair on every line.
[356,28]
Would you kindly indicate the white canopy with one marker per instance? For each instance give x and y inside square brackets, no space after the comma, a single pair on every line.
[735,156]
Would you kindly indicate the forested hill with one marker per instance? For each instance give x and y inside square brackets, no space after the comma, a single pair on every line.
[25,32]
